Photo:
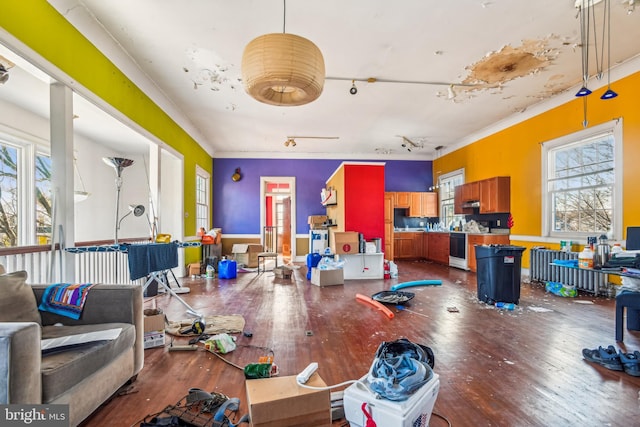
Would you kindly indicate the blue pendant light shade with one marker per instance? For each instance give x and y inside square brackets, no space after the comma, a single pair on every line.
[584,91]
[609,94]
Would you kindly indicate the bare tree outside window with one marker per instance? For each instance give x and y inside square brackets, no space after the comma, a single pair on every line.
[581,184]
[12,219]
[8,196]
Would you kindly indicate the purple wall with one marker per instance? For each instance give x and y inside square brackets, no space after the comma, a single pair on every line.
[236,205]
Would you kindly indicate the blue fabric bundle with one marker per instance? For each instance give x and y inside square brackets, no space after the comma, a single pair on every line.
[65,299]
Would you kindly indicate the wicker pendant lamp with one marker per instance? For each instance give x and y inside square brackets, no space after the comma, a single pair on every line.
[283,69]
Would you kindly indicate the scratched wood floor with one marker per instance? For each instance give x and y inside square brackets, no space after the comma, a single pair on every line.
[497,368]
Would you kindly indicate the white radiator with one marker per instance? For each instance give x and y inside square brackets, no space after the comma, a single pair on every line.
[541,270]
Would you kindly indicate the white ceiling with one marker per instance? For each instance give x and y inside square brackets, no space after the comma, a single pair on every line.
[186,55]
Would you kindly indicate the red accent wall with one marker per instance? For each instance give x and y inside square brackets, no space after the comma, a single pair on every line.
[364,199]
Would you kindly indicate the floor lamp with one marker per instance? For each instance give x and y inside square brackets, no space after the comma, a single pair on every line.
[118,163]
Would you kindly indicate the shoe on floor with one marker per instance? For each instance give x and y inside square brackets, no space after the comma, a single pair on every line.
[607,357]
[631,363]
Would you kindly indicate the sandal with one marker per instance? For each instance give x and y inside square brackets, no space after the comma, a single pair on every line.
[607,357]
[631,363]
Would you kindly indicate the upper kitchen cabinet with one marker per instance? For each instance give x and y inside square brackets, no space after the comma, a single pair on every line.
[423,204]
[471,192]
[495,195]
[402,199]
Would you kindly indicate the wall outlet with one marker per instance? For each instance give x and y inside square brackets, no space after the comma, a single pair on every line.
[421,223]
[498,223]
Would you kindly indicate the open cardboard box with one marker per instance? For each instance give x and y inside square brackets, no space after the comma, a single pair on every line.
[281,402]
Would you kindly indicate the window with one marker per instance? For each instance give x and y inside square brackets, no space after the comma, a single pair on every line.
[447,184]
[25,194]
[202,199]
[581,183]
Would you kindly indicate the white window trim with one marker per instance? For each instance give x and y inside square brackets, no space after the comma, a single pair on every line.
[201,173]
[613,126]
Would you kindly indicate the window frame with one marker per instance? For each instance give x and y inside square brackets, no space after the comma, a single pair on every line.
[206,206]
[442,181]
[614,128]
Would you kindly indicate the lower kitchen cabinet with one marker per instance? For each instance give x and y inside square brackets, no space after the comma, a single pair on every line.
[482,239]
[407,245]
[438,247]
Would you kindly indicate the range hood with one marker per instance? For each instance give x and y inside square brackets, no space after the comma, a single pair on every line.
[471,204]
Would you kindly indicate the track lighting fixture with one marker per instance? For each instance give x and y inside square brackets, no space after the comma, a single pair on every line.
[290,141]
[4,74]
[353,89]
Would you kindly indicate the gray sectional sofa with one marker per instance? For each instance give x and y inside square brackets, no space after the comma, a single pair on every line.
[82,376]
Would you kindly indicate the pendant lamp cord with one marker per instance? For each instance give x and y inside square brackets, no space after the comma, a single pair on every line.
[608,12]
[284,17]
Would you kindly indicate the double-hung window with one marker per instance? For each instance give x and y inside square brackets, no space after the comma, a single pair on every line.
[583,182]
[446,186]
[25,193]
[202,199]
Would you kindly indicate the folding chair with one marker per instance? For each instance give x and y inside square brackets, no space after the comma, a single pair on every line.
[270,246]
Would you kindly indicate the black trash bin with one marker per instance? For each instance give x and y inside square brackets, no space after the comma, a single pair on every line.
[498,273]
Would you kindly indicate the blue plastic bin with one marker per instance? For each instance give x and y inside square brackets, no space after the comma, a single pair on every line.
[227,269]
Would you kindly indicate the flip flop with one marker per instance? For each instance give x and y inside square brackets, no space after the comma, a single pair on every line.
[607,357]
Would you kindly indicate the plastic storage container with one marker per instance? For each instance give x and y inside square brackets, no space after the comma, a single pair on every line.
[585,258]
[312,261]
[413,412]
[227,269]
[498,273]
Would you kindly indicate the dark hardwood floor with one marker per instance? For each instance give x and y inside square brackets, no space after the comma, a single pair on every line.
[497,368]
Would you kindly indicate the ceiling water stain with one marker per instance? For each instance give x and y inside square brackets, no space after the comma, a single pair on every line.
[509,63]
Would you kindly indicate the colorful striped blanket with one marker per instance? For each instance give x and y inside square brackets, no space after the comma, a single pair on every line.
[66,299]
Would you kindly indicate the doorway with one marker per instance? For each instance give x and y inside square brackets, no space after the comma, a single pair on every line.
[277,216]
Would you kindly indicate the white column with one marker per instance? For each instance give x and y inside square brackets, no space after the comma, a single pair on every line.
[61,125]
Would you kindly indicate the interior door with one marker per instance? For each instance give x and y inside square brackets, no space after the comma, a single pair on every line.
[278,210]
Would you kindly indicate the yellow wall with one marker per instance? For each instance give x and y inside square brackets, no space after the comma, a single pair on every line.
[516,152]
[39,26]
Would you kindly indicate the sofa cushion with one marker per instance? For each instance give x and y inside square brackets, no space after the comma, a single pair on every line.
[64,369]
[17,301]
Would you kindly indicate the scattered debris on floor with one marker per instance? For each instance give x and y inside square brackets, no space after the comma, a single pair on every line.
[453,310]
[581,301]
[539,309]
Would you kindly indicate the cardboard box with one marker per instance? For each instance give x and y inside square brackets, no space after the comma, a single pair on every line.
[246,253]
[283,272]
[153,329]
[153,339]
[195,268]
[345,242]
[281,402]
[316,221]
[327,277]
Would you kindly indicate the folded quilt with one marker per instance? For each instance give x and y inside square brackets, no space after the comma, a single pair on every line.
[65,299]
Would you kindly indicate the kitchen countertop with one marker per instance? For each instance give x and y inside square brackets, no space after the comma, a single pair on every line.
[496,232]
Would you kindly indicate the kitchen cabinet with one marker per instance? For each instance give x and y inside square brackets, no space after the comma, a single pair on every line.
[482,239]
[471,192]
[438,247]
[407,245]
[403,199]
[458,202]
[423,204]
[389,201]
[495,195]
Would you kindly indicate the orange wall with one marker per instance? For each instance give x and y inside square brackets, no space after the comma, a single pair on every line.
[516,152]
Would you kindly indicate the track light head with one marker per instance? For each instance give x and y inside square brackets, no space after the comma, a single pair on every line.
[4,74]
[609,94]
[353,89]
